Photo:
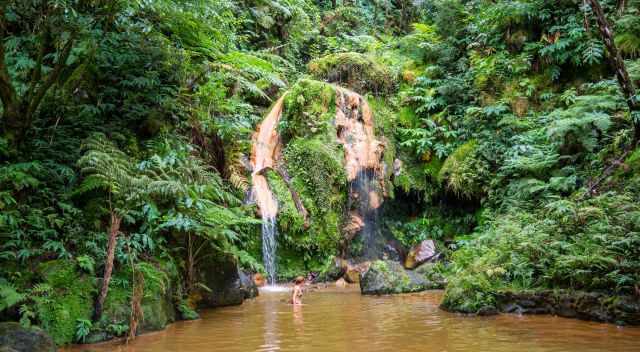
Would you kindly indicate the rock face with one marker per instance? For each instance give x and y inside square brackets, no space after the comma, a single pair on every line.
[421,253]
[226,282]
[13,337]
[335,271]
[387,277]
[158,309]
[353,272]
[621,310]
[248,285]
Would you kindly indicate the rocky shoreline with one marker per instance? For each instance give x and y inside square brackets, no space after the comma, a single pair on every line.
[594,306]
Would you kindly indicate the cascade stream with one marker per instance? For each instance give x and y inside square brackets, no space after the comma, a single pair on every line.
[266,144]
[362,160]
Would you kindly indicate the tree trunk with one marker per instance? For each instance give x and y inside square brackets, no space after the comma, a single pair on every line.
[615,60]
[114,230]
[13,128]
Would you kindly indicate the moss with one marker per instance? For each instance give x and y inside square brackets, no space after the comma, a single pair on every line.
[407,117]
[160,279]
[318,176]
[71,299]
[309,110]
[385,128]
[360,72]
[116,307]
[157,302]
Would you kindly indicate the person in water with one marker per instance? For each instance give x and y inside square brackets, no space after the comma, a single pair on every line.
[296,295]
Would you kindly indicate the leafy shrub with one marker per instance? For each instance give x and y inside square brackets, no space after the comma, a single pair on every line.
[579,245]
[464,171]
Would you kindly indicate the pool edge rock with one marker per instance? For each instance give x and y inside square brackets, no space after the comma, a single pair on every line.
[15,337]
[390,277]
[594,306]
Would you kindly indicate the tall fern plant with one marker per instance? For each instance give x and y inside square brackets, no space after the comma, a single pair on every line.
[108,168]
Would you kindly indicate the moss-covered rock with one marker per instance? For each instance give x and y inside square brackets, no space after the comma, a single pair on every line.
[621,310]
[16,338]
[387,277]
[248,286]
[158,307]
[221,276]
[157,303]
[309,110]
[70,299]
[360,72]
[314,161]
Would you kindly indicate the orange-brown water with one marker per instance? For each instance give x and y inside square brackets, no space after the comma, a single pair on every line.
[343,320]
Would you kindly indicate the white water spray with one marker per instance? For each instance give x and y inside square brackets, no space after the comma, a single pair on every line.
[269,248]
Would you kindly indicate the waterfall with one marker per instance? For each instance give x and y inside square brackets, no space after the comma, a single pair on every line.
[266,143]
[362,160]
[269,247]
[363,195]
[363,155]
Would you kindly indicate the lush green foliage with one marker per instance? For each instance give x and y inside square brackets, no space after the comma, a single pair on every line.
[496,116]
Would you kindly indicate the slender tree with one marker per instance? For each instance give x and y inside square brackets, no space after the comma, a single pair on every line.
[617,63]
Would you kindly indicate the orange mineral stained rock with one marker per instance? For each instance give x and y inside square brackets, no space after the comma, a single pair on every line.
[354,122]
[263,155]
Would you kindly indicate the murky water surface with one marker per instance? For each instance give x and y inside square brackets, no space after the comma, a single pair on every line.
[343,320]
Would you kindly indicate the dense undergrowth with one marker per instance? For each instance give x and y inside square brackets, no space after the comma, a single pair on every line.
[496,116]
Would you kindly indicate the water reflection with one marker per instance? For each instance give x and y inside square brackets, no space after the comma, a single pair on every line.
[298,321]
[343,320]
[270,332]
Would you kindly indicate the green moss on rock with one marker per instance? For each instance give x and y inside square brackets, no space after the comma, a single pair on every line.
[309,110]
[388,277]
[360,72]
[71,298]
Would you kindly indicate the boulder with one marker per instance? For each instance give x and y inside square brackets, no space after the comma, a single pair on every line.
[248,285]
[353,272]
[421,253]
[15,338]
[341,283]
[334,271]
[620,310]
[387,277]
[434,277]
[222,277]
[158,308]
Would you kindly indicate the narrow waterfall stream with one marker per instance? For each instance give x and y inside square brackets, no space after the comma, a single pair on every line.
[363,154]
[266,144]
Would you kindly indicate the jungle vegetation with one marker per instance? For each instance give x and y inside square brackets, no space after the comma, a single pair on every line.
[126,131]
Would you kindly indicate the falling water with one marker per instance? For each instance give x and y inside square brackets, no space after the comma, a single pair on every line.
[363,155]
[266,143]
[363,195]
[269,247]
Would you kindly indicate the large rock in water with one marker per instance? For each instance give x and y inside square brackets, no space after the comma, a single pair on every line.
[248,285]
[14,337]
[620,310]
[228,285]
[386,277]
[421,253]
